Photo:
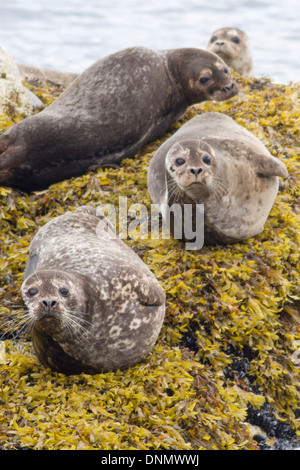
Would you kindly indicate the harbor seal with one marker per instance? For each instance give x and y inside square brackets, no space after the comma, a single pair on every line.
[93,304]
[234,47]
[110,111]
[211,160]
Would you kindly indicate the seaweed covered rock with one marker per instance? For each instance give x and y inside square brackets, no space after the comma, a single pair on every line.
[42,76]
[224,373]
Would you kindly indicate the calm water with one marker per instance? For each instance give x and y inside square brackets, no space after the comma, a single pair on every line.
[71,34]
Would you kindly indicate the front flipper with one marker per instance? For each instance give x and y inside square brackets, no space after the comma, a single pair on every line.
[266,165]
[251,150]
[149,292]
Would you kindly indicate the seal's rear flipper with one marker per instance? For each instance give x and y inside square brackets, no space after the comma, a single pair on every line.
[11,157]
[4,142]
[149,292]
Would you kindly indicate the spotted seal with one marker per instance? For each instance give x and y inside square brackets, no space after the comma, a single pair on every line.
[93,304]
[234,47]
[110,111]
[212,160]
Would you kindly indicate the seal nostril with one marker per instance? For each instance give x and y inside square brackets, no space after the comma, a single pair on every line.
[229,87]
[220,43]
[196,171]
[49,303]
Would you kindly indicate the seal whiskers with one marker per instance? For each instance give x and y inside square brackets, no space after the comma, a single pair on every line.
[174,191]
[74,322]
[217,188]
[18,325]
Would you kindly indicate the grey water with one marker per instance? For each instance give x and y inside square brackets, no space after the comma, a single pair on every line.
[70,35]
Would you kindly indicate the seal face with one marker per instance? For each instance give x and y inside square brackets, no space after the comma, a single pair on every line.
[213,161]
[109,112]
[93,304]
[234,47]
[189,164]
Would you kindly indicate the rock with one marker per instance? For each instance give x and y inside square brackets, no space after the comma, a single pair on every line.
[12,92]
[33,74]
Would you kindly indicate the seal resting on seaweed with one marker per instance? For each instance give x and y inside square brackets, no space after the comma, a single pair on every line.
[109,112]
[93,304]
[234,47]
[211,160]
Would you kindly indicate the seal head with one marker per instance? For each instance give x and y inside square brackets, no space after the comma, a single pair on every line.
[208,79]
[189,164]
[52,296]
[234,47]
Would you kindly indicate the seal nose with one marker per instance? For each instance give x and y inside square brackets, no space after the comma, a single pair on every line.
[220,43]
[49,303]
[196,171]
[229,87]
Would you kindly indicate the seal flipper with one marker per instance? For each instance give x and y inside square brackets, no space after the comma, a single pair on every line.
[3,143]
[149,292]
[9,152]
[266,165]
[11,158]
[256,154]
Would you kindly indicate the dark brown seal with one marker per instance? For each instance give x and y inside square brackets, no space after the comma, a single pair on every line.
[213,161]
[234,47]
[93,304]
[109,112]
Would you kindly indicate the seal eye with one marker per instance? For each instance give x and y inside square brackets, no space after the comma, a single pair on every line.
[32,291]
[63,291]
[226,70]
[235,39]
[204,80]
[207,159]
[179,161]
[214,38]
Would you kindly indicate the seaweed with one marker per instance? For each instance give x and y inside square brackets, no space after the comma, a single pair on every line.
[224,373]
